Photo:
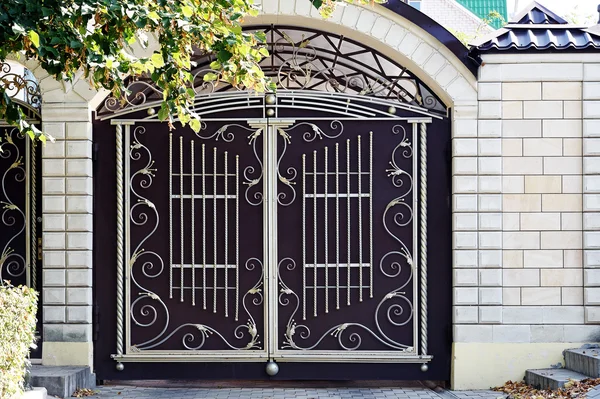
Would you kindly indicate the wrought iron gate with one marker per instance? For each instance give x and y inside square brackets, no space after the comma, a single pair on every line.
[20,221]
[291,228]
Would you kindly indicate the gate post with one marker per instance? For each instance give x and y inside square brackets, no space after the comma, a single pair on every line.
[67,235]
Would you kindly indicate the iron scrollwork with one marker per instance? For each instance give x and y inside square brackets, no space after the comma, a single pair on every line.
[304,59]
[17,85]
[12,263]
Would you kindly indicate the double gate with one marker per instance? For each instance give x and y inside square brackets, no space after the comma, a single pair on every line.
[290,232]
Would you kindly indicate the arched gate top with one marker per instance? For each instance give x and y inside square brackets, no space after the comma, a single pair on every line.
[307,61]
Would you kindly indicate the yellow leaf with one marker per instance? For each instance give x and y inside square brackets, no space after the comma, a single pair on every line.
[35,38]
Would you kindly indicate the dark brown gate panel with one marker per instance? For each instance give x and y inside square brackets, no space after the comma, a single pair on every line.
[196,270]
[347,262]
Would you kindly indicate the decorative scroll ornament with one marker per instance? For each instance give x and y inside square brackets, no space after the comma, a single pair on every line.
[12,264]
[20,87]
[290,174]
[149,309]
[304,59]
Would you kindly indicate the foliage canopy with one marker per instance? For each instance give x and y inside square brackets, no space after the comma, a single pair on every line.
[95,37]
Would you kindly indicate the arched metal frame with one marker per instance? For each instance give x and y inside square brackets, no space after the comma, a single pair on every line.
[303,62]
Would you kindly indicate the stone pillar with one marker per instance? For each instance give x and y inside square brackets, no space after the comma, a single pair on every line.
[67,235]
[591,189]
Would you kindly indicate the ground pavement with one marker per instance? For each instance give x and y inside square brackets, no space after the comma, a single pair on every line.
[133,392]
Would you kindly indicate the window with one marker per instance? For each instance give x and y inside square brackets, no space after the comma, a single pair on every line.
[415,3]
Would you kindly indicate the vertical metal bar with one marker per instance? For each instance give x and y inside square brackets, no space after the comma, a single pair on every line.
[303,236]
[237,236]
[203,226]
[337,226]
[215,229]
[348,211]
[33,214]
[28,220]
[170,215]
[371,214]
[316,258]
[423,222]
[120,231]
[360,231]
[181,225]
[326,221]
[193,238]
[126,232]
[226,270]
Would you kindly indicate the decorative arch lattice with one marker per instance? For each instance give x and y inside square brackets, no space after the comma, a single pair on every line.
[307,60]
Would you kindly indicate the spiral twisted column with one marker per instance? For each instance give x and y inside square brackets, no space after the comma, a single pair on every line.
[33,215]
[423,230]
[120,230]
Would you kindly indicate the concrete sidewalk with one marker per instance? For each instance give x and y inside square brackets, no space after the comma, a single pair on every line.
[131,392]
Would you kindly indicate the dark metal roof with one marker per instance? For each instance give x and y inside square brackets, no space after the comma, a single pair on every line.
[436,30]
[539,29]
[537,14]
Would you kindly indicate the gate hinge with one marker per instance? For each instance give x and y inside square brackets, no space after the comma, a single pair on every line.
[95,152]
[96,322]
[39,249]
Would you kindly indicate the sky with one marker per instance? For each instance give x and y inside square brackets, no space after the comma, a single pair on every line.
[583,8]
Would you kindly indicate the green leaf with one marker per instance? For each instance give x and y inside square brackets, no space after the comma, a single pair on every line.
[35,38]
[209,77]
[317,3]
[187,11]
[157,60]
[163,114]
[223,56]
[195,125]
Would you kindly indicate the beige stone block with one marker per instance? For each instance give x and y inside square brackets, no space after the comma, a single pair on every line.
[561,239]
[490,109]
[562,277]
[543,258]
[490,258]
[573,258]
[562,203]
[563,165]
[521,240]
[521,128]
[562,128]
[522,165]
[542,109]
[561,90]
[511,296]
[489,91]
[513,184]
[572,184]
[489,128]
[573,109]
[521,277]
[572,221]
[512,109]
[572,147]
[513,259]
[540,296]
[490,147]
[522,202]
[522,91]
[572,296]
[543,184]
[511,221]
[512,147]
[540,221]
[543,147]
[464,165]
[490,203]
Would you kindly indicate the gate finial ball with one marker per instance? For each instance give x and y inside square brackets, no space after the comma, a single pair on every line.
[270,99]
[120,367]
[424,367]
[272,369]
